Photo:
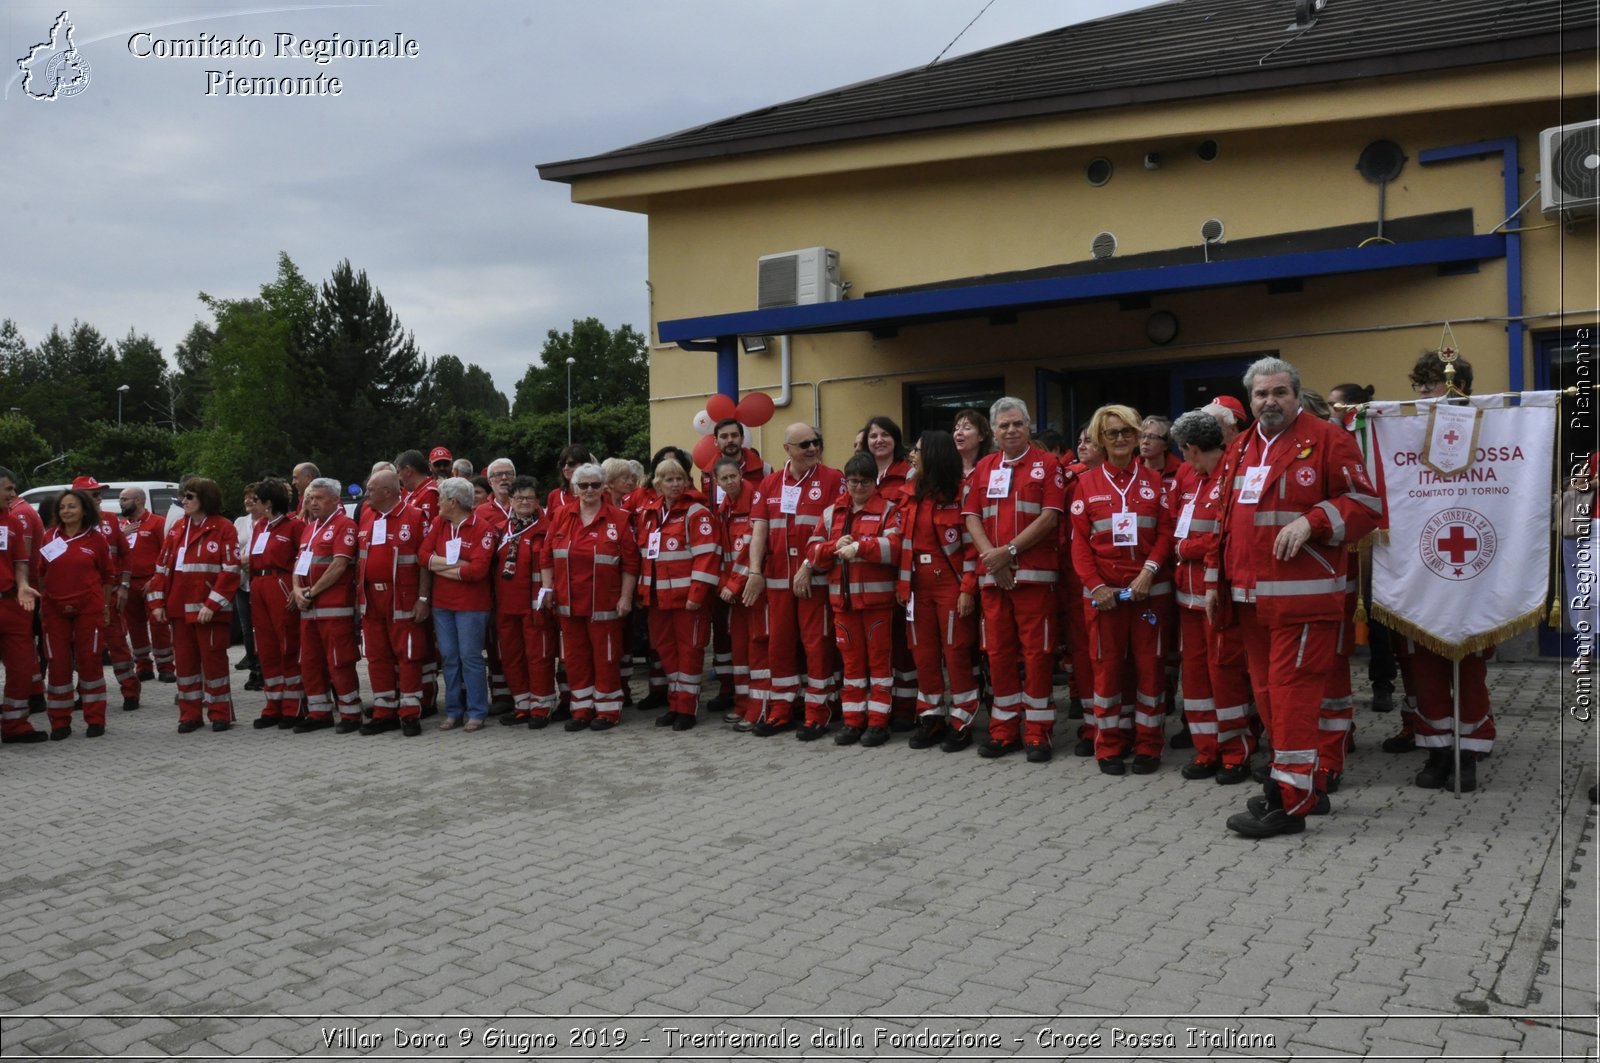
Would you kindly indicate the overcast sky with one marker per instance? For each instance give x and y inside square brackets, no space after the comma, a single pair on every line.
[124,201]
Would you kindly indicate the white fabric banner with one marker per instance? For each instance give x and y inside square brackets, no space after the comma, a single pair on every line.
[1467,561]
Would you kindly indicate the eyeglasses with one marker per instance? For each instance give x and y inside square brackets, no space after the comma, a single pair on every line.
[188,495]
[588,487]
[1151,437]
[502,476]
[524,498]
[1419,386]
[1118,433]
[860,483]
[807,444]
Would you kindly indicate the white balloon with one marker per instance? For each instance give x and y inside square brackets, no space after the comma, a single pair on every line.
[703,423]
[746,434]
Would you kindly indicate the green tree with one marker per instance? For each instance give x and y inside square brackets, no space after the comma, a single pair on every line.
[69,381]
[609,368]
[450,385]
[188,389]
[125,452]
[253,381]
[357,377]
[143,370]
[607,430]
[22,447]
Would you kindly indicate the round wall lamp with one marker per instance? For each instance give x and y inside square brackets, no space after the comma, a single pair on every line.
[1161,327]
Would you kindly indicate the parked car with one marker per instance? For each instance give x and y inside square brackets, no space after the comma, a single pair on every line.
[163,498]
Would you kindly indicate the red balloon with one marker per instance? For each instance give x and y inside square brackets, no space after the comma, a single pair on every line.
[705,452]
[720,407]
[756,409]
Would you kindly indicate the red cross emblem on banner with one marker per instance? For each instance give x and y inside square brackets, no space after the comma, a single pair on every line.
[1458,543]
[1451,437]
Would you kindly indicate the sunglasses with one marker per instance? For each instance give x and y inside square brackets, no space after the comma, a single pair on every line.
[808,444]
[188,495]
[1118,433]
[588,487]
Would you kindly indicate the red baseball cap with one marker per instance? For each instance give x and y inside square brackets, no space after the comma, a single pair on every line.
[85,483]
[1228,402]
[438,454]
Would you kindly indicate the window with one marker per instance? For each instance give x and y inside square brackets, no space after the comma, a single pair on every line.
[936,405]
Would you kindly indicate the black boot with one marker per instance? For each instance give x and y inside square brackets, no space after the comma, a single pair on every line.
[1436,774]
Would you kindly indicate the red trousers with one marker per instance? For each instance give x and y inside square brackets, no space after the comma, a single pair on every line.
[1335,721]
[328,660]
[591,650]
[277,630]
[1132,631]
[200,654]
[529,646]
[747,638]
[1018,639]
[904,663]
[1230,691]
[1199,704]
[794,626]
[863,638]
[1289,667]
[146,637]
[1436,704]
[394,650]
[722,649]
[18,655]
[942,642]
[76,642]
[679,637]
[122,664]
[1074,634]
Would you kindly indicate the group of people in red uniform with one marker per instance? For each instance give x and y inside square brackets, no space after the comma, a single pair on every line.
[900,591]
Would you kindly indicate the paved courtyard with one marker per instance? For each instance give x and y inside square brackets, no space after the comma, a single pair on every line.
[711,895]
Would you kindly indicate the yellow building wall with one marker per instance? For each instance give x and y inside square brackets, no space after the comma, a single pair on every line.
[908,215]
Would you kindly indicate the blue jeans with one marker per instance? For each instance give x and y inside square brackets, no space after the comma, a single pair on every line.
[461,637]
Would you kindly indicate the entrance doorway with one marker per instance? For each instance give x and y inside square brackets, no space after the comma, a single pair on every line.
[1066,398]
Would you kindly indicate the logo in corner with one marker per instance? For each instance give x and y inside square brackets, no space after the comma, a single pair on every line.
[54,69]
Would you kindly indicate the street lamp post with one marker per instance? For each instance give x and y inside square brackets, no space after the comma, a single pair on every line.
[123,390]
[570,362]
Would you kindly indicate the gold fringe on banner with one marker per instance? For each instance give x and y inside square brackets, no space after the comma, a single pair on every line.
[1554,623]
[1450,650]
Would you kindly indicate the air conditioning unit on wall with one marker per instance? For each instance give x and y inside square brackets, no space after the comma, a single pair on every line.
[1569,169]
[797,278]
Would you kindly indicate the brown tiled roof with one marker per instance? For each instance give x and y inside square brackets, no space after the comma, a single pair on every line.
[1176,50]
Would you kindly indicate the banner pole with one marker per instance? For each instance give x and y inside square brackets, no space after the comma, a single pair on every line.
[1455,686]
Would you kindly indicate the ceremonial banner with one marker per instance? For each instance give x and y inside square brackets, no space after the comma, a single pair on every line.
[1467,558]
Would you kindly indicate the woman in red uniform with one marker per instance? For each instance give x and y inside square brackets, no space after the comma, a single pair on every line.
[76,576]
[590,563]
[854,546]
[883,440]
[194,584]
[938,585]
[529,641]
[680,566]
[747,626]
[1121,543]
[974,439]
[274,541]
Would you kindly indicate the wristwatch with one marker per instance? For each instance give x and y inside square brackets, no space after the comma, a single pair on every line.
[423,600]
[1011,548]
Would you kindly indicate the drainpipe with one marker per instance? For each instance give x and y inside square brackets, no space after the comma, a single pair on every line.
[1506,148]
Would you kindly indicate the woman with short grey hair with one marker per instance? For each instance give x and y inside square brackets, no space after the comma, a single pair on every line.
[459,551]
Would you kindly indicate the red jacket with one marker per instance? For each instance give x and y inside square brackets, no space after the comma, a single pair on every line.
[143,540]
[74,582]
[425,499]
[392,567]
[735,523]
[471,592]
[688,562]
[15,549]
[325,541]
[1102,493]
[868,581]
[117,546]
[932,532]
[277,551]
[524,547]
[894,483]
[1204,493]
[199,566]
[1036,484]
[1313,470]
[789,534]
[588,561]
[754,471]
[32,526]
[497,517]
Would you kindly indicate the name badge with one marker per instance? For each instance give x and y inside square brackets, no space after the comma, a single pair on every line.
[380,531]
[911,607]
[53,549]
[260,544]
[178,564]
[538,602]
[5,537]
[302,564]
[1000,482]
[652,546]
[722,496]
[132,537]
[1182,530]
[1255,481]
[790,502]
[452,551]
[1124,529]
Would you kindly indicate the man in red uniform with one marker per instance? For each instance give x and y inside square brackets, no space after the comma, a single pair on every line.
[497,513]
[790,512]
[143,531]
[325,593]
[729,434]
[1295,492]
[116,630]
[33,531]
[747,633]
[394,594]
[422,493]
[17,602]
[1013,501]
[441,462]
